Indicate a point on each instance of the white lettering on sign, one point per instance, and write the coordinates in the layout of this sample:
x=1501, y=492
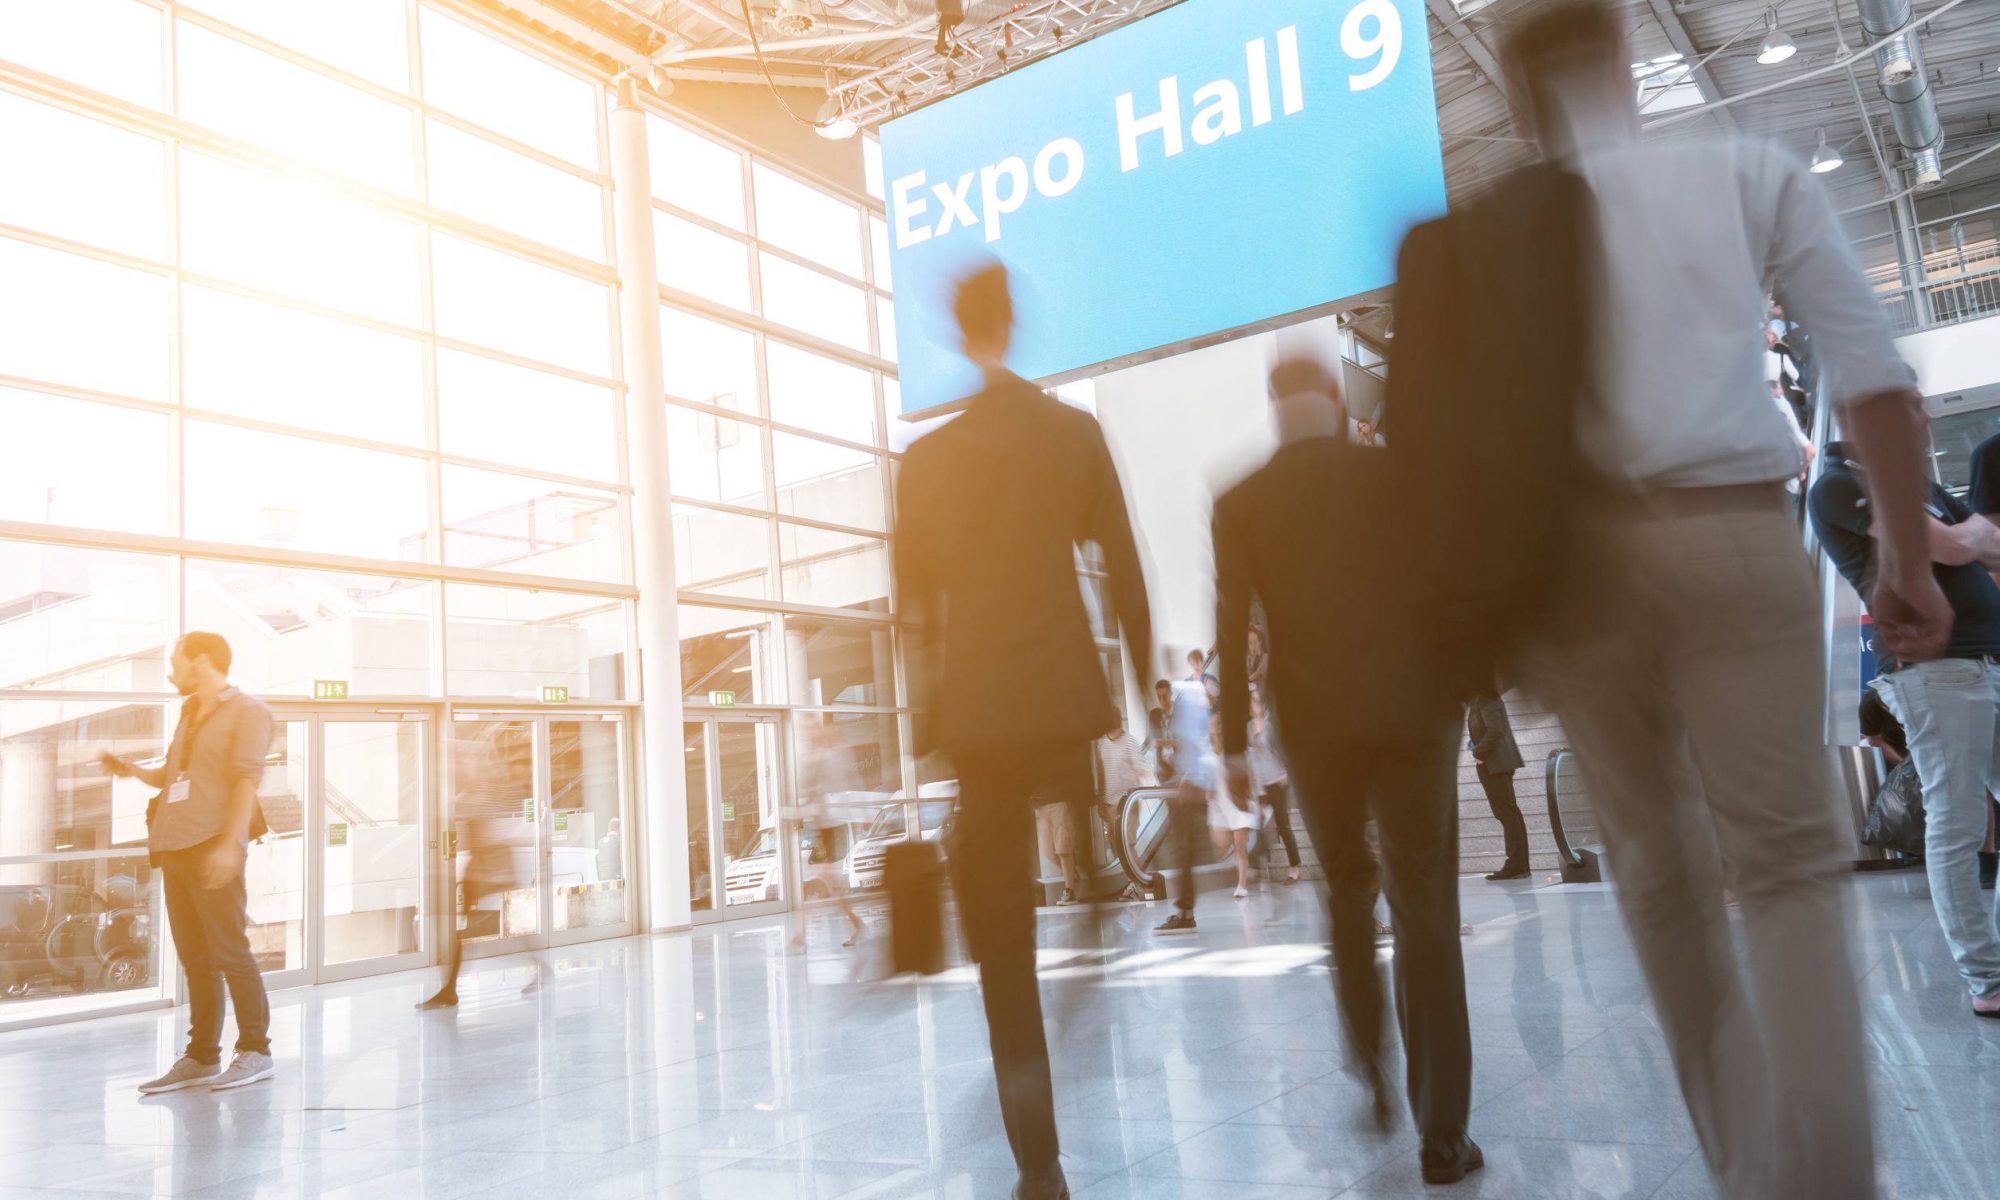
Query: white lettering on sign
x=1070, y=151
x=1371, y=33
x=908, y=209
x=1386, y=41
x=1014, y=173
x=1166, y=123
x=1260, y=84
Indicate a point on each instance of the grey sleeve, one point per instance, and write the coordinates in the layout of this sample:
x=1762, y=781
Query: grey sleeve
x=1819, y=281
x=249, y=743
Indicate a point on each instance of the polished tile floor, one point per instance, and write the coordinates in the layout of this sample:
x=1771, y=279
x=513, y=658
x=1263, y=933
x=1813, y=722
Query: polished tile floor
x=715, y=1064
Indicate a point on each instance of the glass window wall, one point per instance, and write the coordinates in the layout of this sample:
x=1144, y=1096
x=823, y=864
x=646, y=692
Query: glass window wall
x=288, y=627
x=508, y=90
x=361, y=37
x=99, y=466
x=111, y=191
x=513, y=642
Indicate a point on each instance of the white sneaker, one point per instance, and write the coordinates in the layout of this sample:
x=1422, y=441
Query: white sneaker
x=249, y=1067
x=1242, y=893
x=186, y=1073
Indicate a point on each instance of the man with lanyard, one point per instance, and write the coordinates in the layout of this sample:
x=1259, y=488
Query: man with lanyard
x=1946, y=705
x=200, y=827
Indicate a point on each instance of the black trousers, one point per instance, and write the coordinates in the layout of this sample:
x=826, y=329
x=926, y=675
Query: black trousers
x=212, y=938
x=1499, y=787
x=1187, y=829
x=1279, y=797
x=1408, y=783
x=992, y=860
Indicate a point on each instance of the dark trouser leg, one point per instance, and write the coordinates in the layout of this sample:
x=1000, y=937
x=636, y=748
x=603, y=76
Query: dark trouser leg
x=1415, y=804
x=225, y=920
x=1279, y=797
x=182, y=886
x=1330, y=805
x=1499, y=787
x=1187, y=819
x=991, y=852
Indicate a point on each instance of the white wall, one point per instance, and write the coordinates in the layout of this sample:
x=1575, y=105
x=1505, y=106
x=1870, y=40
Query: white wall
x=1955, y=357
x=1183, y=429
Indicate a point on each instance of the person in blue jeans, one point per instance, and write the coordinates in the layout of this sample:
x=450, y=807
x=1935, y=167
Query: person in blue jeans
x=1949, y=707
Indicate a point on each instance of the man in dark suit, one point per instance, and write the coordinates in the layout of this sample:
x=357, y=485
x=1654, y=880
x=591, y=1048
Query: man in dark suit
x=1370, y=728
x=989, y=512
x=1498, y=756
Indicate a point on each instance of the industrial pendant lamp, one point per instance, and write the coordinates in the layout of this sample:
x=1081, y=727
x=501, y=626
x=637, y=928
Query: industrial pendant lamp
x=1778, y=46
x=1826, y=158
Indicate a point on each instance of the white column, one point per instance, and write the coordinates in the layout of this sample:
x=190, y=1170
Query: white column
x=662, y=807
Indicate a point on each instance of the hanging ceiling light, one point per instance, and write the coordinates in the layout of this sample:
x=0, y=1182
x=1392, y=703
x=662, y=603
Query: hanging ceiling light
x=834, y=124
x=1778, y=46
x=1826, y=158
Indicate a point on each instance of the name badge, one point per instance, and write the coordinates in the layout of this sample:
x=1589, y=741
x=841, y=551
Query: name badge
x=177, y=791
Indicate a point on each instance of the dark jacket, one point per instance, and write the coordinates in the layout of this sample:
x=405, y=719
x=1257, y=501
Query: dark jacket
x=1317, y=534
x=1492, y=358
x=989, y=512
x=1492, y=736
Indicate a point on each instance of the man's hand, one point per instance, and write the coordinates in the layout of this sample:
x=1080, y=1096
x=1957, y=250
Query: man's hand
x=223, y=864
x=114, y=765
x=1911, y=615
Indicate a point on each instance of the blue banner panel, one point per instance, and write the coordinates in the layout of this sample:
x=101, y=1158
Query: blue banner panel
x=1215, y=165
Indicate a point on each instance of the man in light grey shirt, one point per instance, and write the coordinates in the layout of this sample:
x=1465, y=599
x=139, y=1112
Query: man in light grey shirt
x=200, y=826
x=1684, y=660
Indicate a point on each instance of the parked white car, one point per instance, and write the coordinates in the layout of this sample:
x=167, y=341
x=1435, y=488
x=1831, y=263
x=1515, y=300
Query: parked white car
x=891, y=827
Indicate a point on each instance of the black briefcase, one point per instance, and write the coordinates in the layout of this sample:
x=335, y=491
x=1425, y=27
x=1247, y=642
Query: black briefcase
x=914, y=875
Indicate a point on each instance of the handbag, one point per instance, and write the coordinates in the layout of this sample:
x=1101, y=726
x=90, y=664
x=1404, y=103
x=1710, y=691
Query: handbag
x=913, y=873
x=1896, y=814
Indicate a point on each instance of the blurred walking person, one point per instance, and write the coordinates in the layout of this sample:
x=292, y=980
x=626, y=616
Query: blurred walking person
x=828, y=777
x=1269, y=777
x=990, y=510
x=198, y=833
x=1370, y=728
x=1579, y=361
x=490, y=826
x=1497, y=756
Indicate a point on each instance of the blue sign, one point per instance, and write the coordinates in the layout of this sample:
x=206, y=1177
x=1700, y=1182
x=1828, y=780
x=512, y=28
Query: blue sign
x=1216, y=165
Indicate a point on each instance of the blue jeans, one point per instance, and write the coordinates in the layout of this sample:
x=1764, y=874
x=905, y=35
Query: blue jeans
x=1948, y=711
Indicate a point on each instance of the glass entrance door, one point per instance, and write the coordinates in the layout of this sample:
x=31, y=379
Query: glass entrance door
x=337, y=888
x=737, y=860
x=538, y=816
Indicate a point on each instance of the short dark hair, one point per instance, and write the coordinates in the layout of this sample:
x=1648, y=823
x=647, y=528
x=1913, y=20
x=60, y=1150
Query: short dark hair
x=211, y=646
x=1555, y=35
x=984, y=304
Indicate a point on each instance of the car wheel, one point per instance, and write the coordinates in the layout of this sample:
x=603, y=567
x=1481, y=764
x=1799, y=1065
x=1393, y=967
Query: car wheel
x=125, y=971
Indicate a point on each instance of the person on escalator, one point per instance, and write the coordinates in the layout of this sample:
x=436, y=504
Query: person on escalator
x=1271, y=781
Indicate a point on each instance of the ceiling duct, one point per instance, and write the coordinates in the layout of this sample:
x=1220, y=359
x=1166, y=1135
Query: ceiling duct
x=1899, y=64
x=795, y=18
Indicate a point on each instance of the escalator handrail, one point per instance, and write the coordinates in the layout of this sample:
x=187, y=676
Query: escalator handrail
x=1139, y=871
x=1552, y=780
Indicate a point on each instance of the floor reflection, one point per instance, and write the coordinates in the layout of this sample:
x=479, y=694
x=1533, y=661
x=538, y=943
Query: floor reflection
x=717, y=1064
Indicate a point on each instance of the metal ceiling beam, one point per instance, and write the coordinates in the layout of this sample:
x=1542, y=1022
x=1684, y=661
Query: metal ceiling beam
x=1468, y=41
x=580, y=32
x=1682, y=41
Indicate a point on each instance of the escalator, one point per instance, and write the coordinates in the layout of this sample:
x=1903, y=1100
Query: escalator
x=1139, y=845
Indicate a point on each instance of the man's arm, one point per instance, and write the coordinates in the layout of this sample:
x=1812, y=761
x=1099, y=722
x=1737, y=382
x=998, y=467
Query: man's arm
x=1111, y=529
x=1910, y=611
x=152, y=777
x=1233, y=589
x=1819, y=282
x=247, y=751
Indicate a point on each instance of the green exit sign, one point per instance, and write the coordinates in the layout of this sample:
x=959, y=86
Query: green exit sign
x=555, y=695
x=329, y=689
x=722, y=699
